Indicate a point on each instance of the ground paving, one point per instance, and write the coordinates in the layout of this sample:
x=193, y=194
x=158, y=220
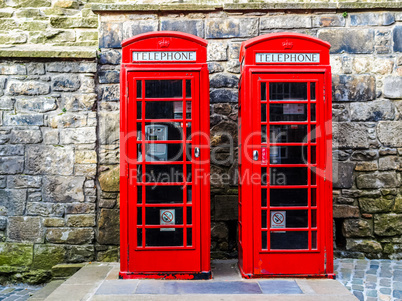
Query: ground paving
x=20, y=292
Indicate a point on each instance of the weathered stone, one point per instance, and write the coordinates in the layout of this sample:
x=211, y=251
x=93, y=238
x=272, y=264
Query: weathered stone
x=78, y=136
x=233, y=66
x=74, y=67
x=366, y=246
x=12, y=119
x=377, y=205
x=111, y=35
x=62, y=189
x=226, y=207
x=213, y=67
x=388, y=224
x=81, y=220
x=88, y=170
x=371, y=19
x=85, y=156
x=12, y=201
x=12, y=69
x=109, y=227
x=81, y=254
x=110, y=255
x=107, y=156
x=285, y=21
x=352, y=135
x=71, y=22
x=393, y=86
x=224, y=133
x=136, y=27
x=109, y=127
x=345, y=211
x=68, y=120
x=398, y=204
x=11, y=165
x=66, y=83
x=109, y=57
x=389, y=163
x=39, y=104
x=194, y=27
x=53, y=222
x=340, y=112
x=340, y=155
x=45, y=209
x=224, y=95
x=16, y=255
x=24, y=181
x=397, y=38
x=20, y=136
x=222, y=108
x=343, y=174
x=7, y=103
x=25, y=228
x=74, y=236
x=353, y=87
x=110, y=180
x=366, y=166
x=349, y=40
x=3, y=223
x=46, y=256
x=31, y=88
x=364, y=155
x=357, y=228
x=50, y=136
x=231, y=28
x=372, y=111
x=77, y=208
x=35, y=68
x=219, y=231
x=377, y=180
x=3, y=182
x=66, y=270
x=221, y=80
x=41, y=159
x=329, y=21
x=109, y=77
x=385, y=151
x=217, y=51
x=110, y=93
x=11, y=150
x=389, y=133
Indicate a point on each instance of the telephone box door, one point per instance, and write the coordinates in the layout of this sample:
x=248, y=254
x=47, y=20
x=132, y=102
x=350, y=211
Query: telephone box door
x=165, y=116
x=289, y=157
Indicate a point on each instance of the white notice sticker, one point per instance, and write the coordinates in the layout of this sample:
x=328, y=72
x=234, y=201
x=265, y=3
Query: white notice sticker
x=293, y=108
x=278, y=219
x=167, y=217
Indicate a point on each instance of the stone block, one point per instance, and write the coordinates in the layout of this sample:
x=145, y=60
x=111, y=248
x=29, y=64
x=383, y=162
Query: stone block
x=45, y=209
x=393, y=86
x=352, y=135
x=78, y=208
x=397, y=35
x=81, y=254
x=71, y=22
x=50, y=136
x=11, y=165
x=194, y=27
x=357, y=228
x=3, y=181
x=39, y=104
x=371, y=19
x=62, y=189
x=71, y=67
x=25, y=228
x=31, y=88
x=109, y=227
x=7, y=103
x=377, y=180
x=224, y=95
x=12, y=119
x=226, y=207
x=366, y=166
x=109, y=127
x=234, y=50
x=67, y=120
x=80, y=220
x=345, y=211
x=109, y=57
x=364, y=155
x=3, y=222
x=46, y=159
x=349, y=40
x=110, y=35
x=389, y=163
x=24, y=181
x=109, y=77
x=353, y=87
x=213, y=67
x=16, y=255
x=110, y=255
x=222, y=80
x=12, y=69
x=363, y=245
x=85, y=156
x=65, y=83
x=110, y=180
x=136, y=27
x=73, y=236
x=219, y=28
x=377, y=205
x=78, y=136
x=110, y=93
x=285, y=21
x=217, y=51
x=329, y=21
x=66, y=270
x=35, y=68
x=53, y=222
x=46, y=256
x=11, y=150
x=372, y=111
x=388, y=133
x=388, y=224
x=233, y=66
x=343, y=174
x=88, y=170
x=25, y=136
x=13, y=201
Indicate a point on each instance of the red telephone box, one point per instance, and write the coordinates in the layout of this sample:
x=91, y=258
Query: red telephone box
x=164, y=197
x=285, y=171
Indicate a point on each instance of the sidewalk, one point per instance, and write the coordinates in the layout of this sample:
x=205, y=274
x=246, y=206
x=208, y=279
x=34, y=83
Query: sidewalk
x=98, y=282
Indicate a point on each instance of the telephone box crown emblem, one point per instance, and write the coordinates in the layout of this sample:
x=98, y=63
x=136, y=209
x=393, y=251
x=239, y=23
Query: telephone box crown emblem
x=164, y=43
x=287, y=44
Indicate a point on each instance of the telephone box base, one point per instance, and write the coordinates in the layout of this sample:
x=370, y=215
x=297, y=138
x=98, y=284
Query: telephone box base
x=251, y=276
x=167, y=276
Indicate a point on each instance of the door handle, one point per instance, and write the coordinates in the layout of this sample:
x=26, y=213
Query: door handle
x=196, y=152
x=255, y=155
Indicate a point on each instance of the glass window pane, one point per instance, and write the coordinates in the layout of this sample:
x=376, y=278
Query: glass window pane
x=188, y=88
x=189, y=215
x=263, y=133
x=288, y=154
x=164, y=173
x=163, y=131
x=139, y=237
x=288, y=176
x=312, y=111
x=189, y=173
x=313, y=176
x=312, y=91
x=264, y=176
x=313, y=133
x=288, y=197
x=158, y=238
x=163, y=194
x=163, y=88
x=139, y=89
x=263, y=197
x=189, y=237
x=153, y=215
x=264, y=240
x=294, y=218
x=263, y=91
x=166, y=110
x=313, y=218
x=288, y=133
x=288, y=240
x=313, y=197
x=139, y=194
x=139, y=109
x=314, y=240
x=161, y=152
x=263, y=219
x=263, y=112
x=287, y=91
x=139, y=215
x=189, y=195
x=288, y=112
x=313, y=155
x=139, y=173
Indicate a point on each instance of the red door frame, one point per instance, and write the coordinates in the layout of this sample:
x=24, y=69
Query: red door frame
x=249, y=216
x=181, y=262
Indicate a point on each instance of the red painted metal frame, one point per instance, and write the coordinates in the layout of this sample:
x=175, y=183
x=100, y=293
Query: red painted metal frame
x=164, y=262
x=253, y=262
